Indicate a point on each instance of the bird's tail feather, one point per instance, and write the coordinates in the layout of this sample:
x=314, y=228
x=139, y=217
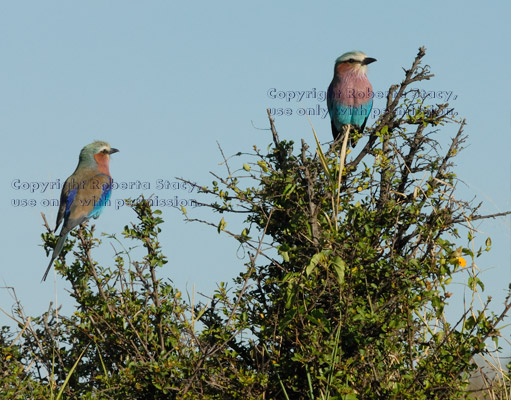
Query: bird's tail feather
x=56, y=252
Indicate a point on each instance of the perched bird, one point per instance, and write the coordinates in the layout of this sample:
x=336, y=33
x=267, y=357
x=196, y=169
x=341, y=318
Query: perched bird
x=350, y=94
x=85, y=192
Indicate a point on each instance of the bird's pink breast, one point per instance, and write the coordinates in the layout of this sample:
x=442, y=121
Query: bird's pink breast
x=352, y=88
x=103, y=163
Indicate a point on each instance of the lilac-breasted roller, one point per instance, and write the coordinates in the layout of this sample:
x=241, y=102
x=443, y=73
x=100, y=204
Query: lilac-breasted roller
x=350, y=94
x=85, y=192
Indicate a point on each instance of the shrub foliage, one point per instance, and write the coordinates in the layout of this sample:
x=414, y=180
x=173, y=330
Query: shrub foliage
x=349, y=256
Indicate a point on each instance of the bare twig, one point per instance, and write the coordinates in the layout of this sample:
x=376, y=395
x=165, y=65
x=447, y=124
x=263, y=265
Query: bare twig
x=477, y=217
x=276, y=140
x=46, y=222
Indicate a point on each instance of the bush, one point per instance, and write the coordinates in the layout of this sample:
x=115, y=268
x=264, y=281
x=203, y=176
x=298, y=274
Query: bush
x=349, y=258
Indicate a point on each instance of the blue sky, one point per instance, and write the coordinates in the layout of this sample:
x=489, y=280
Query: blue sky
x=165, y=82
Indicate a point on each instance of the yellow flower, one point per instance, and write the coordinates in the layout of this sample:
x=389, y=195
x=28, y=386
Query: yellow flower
x=462, y=262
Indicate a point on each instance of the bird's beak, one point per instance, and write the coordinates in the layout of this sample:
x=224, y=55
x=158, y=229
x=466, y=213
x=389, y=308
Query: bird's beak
x=368, y=60
x=112, y=151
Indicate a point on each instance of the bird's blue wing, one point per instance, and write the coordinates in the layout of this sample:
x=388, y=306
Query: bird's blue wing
x=87, y=199
x=106, y=192
x=368, y=107
x=356, y=116
x=69, y=201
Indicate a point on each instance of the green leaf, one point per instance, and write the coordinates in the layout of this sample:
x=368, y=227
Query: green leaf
x=316, y=258
x=473, y=282
x=290, y=187
x=339, y=268
x=263, y=166
x=221, y=225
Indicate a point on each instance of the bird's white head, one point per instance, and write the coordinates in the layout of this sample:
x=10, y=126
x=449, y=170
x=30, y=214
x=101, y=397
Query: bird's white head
x=353, y=60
